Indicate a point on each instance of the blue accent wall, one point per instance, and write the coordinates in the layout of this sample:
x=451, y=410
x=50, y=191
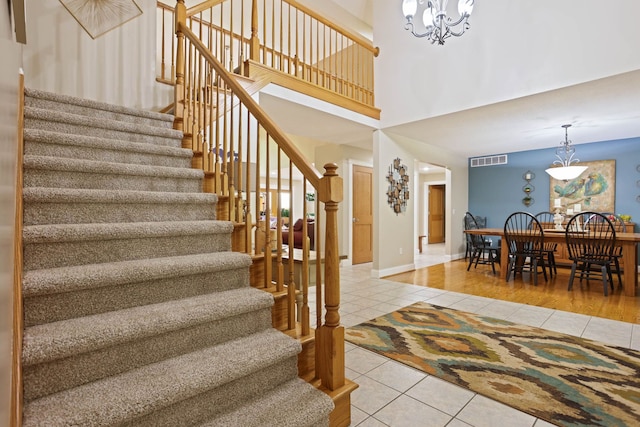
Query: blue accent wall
x=496, y=191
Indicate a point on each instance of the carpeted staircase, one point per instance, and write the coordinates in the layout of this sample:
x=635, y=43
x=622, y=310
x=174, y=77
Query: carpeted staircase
x=136, y=311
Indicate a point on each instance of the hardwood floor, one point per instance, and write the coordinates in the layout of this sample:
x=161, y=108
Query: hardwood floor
x=585, y=299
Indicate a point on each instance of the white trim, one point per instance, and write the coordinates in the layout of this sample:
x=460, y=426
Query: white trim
x=393, y=270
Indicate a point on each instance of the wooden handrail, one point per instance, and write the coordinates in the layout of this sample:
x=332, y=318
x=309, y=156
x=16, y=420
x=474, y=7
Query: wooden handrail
x=364, y=42
x=309, y=172
x=203, y=6
x=226, y=127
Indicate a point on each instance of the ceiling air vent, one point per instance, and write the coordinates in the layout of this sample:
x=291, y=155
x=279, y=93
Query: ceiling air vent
x=500, y=159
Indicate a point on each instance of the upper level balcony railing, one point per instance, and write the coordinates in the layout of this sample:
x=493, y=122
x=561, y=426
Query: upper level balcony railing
x=281, y=35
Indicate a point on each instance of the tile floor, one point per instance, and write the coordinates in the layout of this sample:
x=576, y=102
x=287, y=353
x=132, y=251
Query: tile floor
x=392, y=394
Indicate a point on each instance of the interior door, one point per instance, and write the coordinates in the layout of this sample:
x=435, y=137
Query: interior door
x=362, y=241
x=436, y=213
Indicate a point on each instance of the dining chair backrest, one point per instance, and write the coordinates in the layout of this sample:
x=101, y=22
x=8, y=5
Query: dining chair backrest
x=590, y=236
x=470, y=223
x=545, y=219
x=523, y=233
x=621, y=226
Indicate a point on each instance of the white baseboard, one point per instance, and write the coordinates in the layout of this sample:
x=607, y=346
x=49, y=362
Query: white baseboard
x=394, y=270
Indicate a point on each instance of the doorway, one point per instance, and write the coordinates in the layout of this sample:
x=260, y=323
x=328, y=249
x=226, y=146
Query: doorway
x=436, y=214
x=362, y=221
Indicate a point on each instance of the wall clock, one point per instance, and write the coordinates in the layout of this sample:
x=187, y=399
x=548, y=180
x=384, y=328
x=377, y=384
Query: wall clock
x=398, y=190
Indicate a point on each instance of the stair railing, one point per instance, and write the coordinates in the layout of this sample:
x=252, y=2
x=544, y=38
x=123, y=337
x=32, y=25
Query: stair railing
x=248, y=162
x=284, y=36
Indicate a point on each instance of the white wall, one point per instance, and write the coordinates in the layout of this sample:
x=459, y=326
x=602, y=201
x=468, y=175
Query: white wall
x=117, y=67
x=393, y=235
x=513, y=49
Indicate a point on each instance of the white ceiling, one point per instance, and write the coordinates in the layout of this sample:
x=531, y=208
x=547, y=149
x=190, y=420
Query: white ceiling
x=605, y=109
x=601, y=110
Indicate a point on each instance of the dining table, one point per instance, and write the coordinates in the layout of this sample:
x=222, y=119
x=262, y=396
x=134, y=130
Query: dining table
x=628, y=242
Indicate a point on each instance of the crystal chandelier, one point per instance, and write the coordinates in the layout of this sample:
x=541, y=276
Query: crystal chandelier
x=437, y=26
x=565, y=154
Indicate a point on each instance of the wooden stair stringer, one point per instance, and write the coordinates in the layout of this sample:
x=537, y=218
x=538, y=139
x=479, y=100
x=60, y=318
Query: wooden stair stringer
x=341, y=414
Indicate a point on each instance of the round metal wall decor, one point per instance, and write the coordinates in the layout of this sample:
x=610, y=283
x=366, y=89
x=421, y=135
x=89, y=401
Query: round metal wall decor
x=398, y=190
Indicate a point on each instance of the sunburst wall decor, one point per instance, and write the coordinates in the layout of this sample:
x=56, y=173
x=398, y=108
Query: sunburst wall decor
x=99, y=16
x=398, y=191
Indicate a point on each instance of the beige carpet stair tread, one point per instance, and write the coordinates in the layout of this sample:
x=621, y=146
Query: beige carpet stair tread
x=83, y=232
x=82, y=195
x=116, y=399
x=31, y=113
x=65, y=338
x=51, y=137
x=75, y=278
x=311, y=409
x=105, y=168
x=96, y=105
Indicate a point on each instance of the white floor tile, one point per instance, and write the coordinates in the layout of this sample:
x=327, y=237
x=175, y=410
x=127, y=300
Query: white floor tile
x=372, y=422
x=441, y=395
x=362, y=361
x=531, y=316
x=407, y=412
x=483, y=412
x=609, y=332
x=396, y=375
x=371, y=396
x=566, y=323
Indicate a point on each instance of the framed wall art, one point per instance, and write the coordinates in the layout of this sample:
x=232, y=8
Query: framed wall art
x=594, y=190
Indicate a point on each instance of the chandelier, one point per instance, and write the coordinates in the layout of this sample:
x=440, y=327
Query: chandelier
x=437, y=26
x=565, y=154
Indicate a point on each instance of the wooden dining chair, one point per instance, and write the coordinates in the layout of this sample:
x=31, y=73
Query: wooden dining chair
x=546, y=221
x=617, y=250
x=525, y=239
x=481, y=250
x=591, y=240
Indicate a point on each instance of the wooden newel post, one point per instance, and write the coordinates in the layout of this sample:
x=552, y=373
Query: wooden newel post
x=254, y=46
x=330, y=335
x=181, y=19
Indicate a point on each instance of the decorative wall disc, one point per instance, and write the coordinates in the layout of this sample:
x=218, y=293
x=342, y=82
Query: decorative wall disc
x=398, y=190
x=98, y=17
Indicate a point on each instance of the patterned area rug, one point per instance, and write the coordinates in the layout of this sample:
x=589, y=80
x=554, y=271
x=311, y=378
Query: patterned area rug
x=562, y=379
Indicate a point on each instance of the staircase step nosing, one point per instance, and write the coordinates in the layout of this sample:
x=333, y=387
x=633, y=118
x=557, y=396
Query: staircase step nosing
x=100, y=231
x=81, y=195
x=74, y=278
x=52, y=137
x=32, y=162
x=35, y=113
x=96, y=105
x=52, y=341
